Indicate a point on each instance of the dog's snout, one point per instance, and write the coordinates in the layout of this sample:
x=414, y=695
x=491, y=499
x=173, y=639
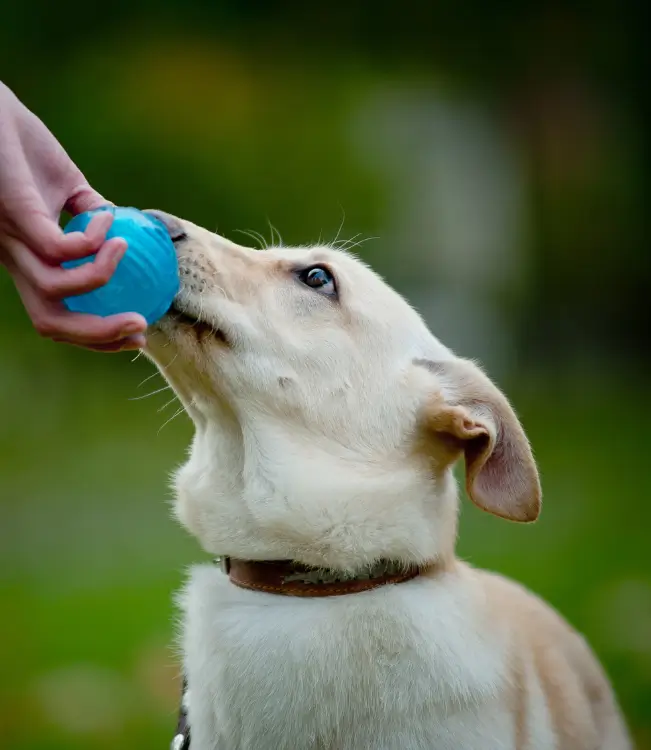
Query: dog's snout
x=171, y=223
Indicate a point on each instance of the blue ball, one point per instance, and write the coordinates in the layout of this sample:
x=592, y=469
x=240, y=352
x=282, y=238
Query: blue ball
x=145, y=281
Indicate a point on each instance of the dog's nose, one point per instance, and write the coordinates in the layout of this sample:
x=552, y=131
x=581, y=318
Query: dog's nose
x=171, y=223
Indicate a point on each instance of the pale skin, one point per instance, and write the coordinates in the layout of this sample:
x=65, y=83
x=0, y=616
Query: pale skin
x=38, y=181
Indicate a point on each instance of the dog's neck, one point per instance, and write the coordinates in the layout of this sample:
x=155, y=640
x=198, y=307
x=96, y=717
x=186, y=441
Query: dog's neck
x=307, y=502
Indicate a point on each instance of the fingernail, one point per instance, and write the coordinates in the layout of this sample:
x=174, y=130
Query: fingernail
x=105, y=215
x=133, y=327
x=103, y=220
x=119, y=249
x=133, y=342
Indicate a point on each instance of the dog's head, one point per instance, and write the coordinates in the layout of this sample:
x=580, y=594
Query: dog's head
x=327, y=416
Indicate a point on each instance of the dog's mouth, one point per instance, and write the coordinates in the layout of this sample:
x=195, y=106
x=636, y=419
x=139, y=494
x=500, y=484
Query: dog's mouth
x=201, y=328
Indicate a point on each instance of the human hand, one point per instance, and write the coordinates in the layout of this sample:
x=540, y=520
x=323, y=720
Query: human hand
x=37, y=181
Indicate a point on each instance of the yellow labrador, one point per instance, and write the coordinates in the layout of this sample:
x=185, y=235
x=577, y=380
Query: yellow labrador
x=328, y=419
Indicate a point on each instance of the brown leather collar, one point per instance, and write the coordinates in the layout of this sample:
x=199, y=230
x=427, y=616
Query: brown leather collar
x=288, y=578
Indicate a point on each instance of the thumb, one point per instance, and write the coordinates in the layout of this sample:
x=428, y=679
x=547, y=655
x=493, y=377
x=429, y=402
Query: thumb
x=84, y=198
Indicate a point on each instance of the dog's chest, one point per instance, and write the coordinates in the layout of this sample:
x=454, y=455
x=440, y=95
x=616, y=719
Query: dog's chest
x=391, y=669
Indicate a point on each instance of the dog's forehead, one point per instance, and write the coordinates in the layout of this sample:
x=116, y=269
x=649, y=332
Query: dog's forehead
x=316, y=254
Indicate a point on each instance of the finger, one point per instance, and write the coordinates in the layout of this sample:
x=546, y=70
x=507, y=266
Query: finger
x=52, y=320
x=82, y=244
x=47, y=240
x=130, y=343
x=89, y=330
x=56, y=282
x=95, y=232
x=92, y=330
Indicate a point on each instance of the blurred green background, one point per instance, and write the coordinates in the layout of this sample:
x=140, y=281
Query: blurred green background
x=496, y=153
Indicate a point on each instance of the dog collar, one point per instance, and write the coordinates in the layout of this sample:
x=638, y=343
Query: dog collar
x=288, y=578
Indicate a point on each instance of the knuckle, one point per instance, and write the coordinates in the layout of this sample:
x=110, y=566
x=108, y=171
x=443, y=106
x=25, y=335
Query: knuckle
x=53, y=252
x=52, y=256
x=88, y=240
x=50, y=289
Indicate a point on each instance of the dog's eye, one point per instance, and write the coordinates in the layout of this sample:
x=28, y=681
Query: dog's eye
x=319, y=278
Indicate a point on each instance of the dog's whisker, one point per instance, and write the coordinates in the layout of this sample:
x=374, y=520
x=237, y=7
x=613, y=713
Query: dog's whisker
x=360, y=242
x=153, y=393
x=259, y=238
x=343, y=243
x=137, y=355
x=275, y=233
x=341, y=225
x=149, y=377
x=250, y=235
x=221, y=290
x=163, y=368
x=174, y=416
x=263, y=240
x=164, y=406
x=200, y=316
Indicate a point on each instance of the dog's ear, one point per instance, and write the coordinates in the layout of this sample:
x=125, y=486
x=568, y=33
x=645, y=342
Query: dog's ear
x=469, y=415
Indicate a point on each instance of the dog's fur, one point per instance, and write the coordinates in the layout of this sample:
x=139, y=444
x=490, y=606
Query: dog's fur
x=327, y=426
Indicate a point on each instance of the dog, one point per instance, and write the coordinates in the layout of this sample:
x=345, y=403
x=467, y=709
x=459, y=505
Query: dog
x=327, y=422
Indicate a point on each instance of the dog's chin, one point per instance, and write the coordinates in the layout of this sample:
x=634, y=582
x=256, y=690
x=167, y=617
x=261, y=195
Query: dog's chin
x=180, y=319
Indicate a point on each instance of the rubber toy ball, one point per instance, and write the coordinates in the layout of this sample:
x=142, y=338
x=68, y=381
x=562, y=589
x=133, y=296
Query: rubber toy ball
x=145, y=281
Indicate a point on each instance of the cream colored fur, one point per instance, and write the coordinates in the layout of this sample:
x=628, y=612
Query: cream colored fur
x=326, y=431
